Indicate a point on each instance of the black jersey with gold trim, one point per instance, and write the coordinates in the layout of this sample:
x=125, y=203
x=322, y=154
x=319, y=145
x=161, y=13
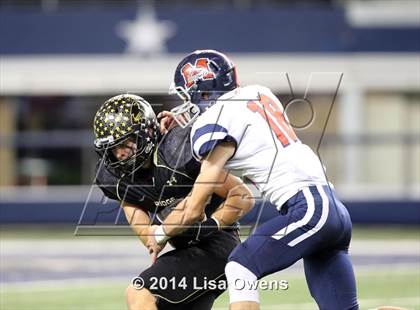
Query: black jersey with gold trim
x=164, y=183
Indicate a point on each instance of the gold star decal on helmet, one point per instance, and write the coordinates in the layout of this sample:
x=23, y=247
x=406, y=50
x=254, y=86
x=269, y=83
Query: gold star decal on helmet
x=121, y=116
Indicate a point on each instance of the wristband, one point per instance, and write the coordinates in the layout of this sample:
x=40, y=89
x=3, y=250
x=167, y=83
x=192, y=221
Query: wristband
x=160, y=236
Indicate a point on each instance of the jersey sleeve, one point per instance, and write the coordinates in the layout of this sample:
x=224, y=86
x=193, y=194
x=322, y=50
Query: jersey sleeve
x=218, y=124
x=175, y=151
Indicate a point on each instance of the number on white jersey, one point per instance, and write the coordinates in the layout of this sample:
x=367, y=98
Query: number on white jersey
x=273, y=114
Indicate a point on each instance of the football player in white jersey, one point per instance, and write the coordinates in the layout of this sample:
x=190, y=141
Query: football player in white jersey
x=245, y=128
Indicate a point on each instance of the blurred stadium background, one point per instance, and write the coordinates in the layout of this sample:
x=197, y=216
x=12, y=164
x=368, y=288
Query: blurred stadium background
x=357, y=63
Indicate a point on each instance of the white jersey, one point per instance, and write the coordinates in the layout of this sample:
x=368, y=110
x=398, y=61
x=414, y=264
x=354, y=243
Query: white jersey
x=267, y=149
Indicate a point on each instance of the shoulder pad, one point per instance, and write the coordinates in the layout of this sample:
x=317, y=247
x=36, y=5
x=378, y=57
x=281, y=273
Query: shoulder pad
x=175, y=148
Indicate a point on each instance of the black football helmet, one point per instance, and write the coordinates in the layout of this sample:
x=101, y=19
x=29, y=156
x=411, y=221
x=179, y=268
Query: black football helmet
x=200, y=78
x=125, y=117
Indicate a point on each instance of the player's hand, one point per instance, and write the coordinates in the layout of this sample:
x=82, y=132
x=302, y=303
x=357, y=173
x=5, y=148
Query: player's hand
x=151, y=244
x=154, y=252
x=167, y=121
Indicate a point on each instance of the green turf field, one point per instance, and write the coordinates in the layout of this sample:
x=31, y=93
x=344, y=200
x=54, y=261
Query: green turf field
x=392, y=287
x=397, y=285
x=68, y=232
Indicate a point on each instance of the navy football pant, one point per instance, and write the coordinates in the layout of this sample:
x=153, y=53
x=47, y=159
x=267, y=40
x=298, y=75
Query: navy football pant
x=313, y=225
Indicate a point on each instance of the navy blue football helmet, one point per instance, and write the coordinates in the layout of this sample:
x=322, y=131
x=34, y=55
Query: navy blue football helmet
x=200, y=78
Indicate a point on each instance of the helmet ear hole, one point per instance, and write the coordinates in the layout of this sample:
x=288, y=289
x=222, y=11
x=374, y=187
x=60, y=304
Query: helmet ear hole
x=204, y=95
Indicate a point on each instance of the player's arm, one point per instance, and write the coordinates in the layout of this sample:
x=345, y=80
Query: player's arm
x=212, y=179
x=138, y=219
x=239, y=201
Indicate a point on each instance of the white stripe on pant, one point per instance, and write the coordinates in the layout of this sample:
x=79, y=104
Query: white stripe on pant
x=307, y=217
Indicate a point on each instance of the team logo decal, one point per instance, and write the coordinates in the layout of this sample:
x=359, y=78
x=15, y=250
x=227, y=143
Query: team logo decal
x=199, y=71
x=136, y=114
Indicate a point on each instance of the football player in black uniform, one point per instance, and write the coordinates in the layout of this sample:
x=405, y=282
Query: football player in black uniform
x=149, y=174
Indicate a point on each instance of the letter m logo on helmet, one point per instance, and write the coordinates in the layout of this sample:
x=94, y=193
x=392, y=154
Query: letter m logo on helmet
x=199, y=71
x=200, y=78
